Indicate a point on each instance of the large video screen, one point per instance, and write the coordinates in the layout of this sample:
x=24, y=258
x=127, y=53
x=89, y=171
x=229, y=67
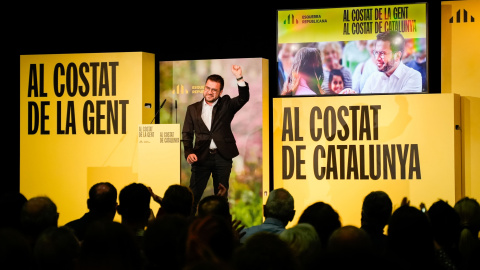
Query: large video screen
x=352, y=50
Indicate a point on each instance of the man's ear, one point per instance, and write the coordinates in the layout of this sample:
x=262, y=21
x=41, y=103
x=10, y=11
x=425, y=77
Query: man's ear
x=292, y=215
x=265, y=211
x=398, y=55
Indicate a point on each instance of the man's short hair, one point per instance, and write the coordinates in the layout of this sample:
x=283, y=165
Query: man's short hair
x=102, y=198
x=134, y=202
x=323, y=217
x=178, y=199
x=376, y=209
x=214, y=205
x=397, y=42
x=216, y=78
x=39, y=213
x=302, y=238
x=280, y=204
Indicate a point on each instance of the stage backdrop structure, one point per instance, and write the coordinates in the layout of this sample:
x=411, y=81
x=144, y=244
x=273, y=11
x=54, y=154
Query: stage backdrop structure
x=182, y=83
x=80, y=115
x=459, y=75
x=339, y=149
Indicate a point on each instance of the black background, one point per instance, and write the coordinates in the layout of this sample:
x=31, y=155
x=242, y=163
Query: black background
x=174, y=31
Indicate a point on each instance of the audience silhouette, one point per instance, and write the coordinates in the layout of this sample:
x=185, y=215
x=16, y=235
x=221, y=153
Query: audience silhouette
x=102, y=206
x=10, y=216
x=350, y=247
x=177, y=199
x=305, y=244
x=445, y=228
x=469, y=244
x=278, y=212
x=110, y=245
x=57, y=249
x=134, y=208
x=264, y=250
x=376, y=211
x=15, y=249
x=178, y=238
x=214, y=205
x=38, y=214
x=164, y=242
x=210, y=239
x=323, y=218
x=410, y=240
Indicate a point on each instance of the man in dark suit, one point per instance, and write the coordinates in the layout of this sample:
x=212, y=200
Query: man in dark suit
x=209, y=122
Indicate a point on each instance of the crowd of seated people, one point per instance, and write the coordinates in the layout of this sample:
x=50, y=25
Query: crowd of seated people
x=444, y=236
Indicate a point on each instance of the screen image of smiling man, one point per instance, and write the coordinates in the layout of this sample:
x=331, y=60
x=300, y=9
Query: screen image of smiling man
x=393, y=75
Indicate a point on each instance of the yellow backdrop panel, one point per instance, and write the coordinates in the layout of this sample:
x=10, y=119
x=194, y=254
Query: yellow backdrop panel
x=460, y=73
x=338, y=149
x=79, y=116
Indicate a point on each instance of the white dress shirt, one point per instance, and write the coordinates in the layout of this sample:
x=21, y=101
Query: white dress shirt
x=361, y=74
x=403, y=80
x=207, y=114
x=207, y=118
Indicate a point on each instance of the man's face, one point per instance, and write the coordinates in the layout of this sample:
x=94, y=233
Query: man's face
x=212, y=91
x=385, y=57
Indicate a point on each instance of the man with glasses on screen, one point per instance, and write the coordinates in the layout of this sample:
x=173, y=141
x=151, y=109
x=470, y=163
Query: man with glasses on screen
x=207, y=122
x=393, y=75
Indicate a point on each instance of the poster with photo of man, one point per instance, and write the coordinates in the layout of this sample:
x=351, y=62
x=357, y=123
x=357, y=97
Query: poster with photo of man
x=353, y=50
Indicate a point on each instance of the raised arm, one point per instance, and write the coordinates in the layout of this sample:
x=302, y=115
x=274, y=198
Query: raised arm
x=243, y=89
x=237, y=72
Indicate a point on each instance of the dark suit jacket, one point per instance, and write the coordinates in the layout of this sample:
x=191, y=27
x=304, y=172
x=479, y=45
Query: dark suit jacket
x=221, y=131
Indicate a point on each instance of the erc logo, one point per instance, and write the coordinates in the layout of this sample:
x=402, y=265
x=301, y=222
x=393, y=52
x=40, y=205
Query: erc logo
x=458, y=17
x=290, y=20
x=180, y=89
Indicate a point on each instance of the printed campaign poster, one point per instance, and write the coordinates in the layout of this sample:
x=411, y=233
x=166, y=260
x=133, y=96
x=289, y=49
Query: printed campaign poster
x=338, y=150
x=352, y=50
x=183, y=83
x=79, y=117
